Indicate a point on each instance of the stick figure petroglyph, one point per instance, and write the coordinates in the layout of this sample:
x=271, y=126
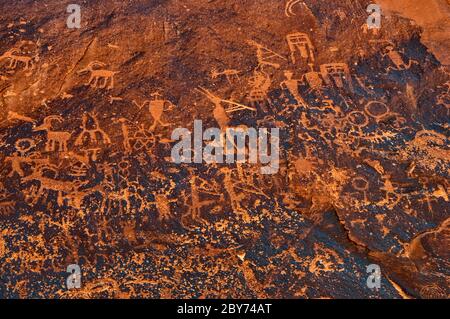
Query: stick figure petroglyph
x=99, y=77
x=199, y=186
x=56, y=141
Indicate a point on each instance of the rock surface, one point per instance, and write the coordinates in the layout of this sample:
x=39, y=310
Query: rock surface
x=86, y=175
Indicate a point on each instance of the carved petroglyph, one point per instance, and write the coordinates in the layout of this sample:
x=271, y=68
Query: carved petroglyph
x=136, y=139
x=156, y=107
x=313, y=79
x=219, y=112
x=260, y=84
x=264, y=54
x=300, y=42
x=51, y=184
x=56, y=141
x=92, y=137
x=337, y=74
x=230, y=74
x=396, y=59
x=99, y=77
x=292, y=86
x=14, y=57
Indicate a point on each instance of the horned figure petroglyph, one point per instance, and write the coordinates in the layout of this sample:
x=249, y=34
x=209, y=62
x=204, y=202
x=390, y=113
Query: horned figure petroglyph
x=14, y=59
x=56, y=140
x=337, y=74
x=99, y=77
x=156, y=109
x=230, y=74
x=301, y=42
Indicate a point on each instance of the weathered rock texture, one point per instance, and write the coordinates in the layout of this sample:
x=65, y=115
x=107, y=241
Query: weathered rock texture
x=87, y=179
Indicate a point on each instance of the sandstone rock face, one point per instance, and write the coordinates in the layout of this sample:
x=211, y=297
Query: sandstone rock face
x=87, y=178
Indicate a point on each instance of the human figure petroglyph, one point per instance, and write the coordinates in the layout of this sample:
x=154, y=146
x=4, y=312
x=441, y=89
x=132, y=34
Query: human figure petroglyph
x=229, y=186
x=199, y=186
x=99, y=77
x=156, y=108
x=91, y=131
x=162, y=203
x=337, y=74
x=56, y=140
x=263, y=54
x=391, y=198
x=300, y=42
x=292, y=86
x=24, y=155
x=15, y=58
x=230, y=74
